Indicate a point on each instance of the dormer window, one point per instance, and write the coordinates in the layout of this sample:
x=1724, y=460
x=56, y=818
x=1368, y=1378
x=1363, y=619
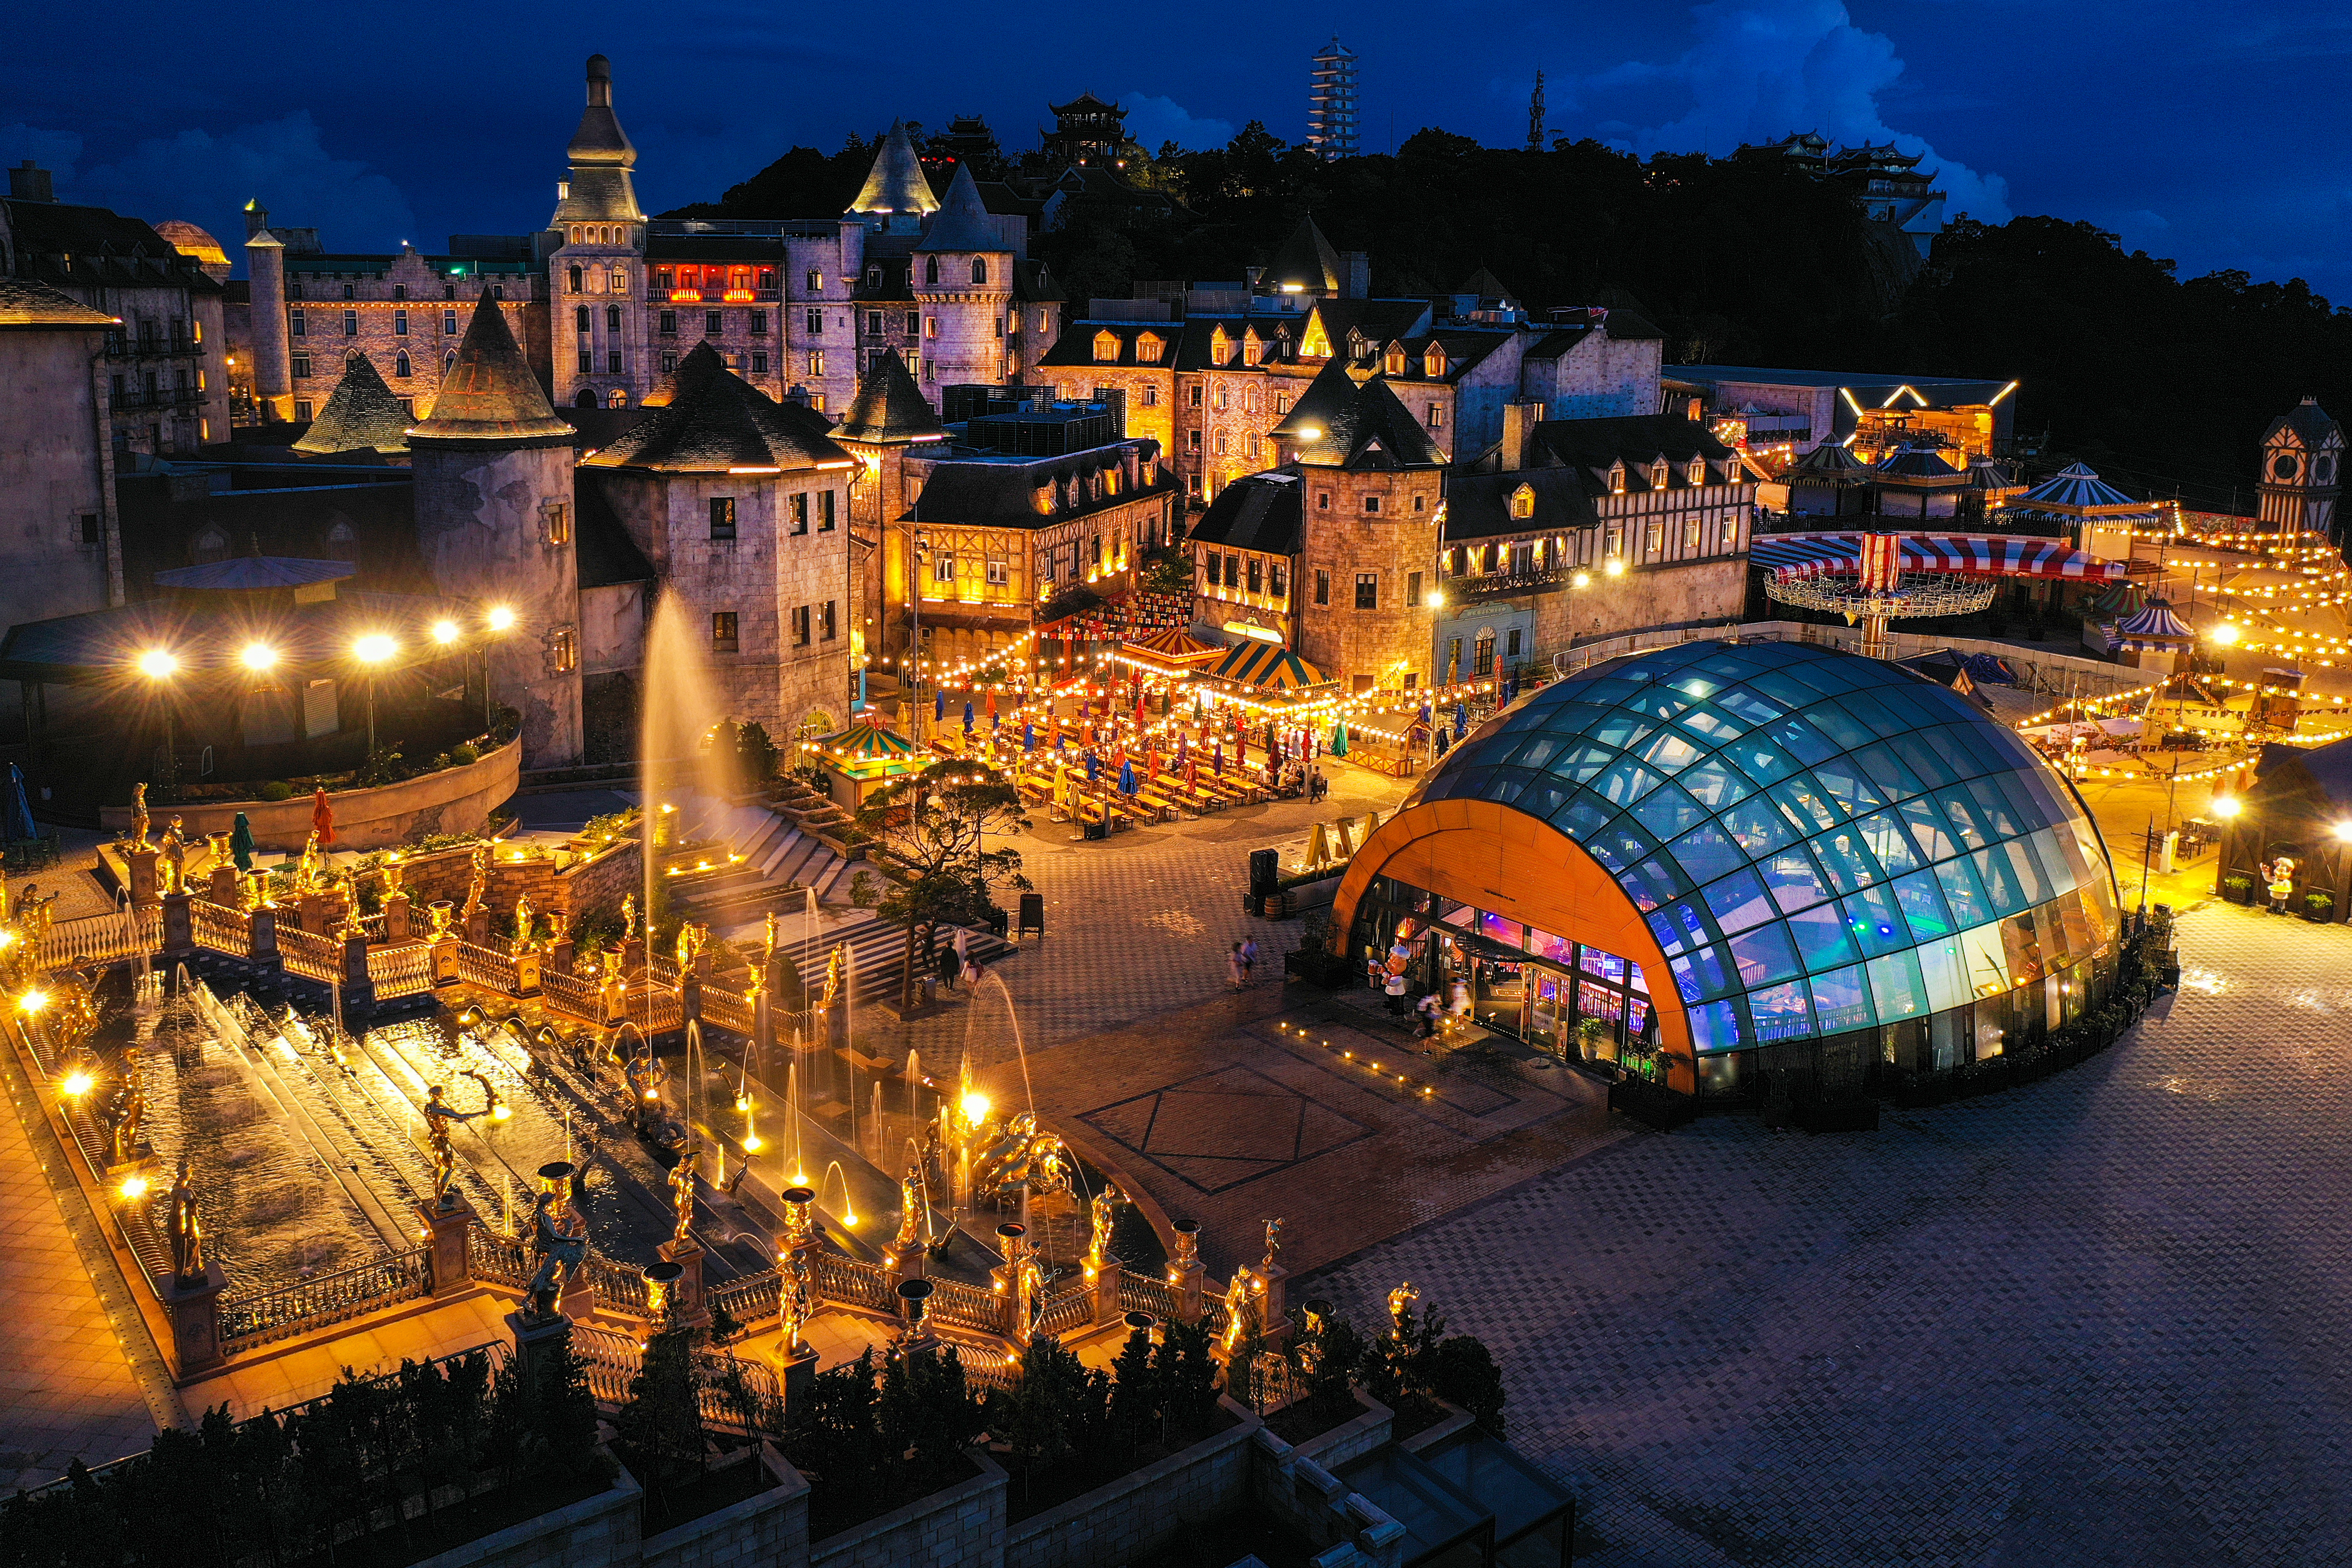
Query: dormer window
x=1617, y=478
x=1433, y=363
x=1220, y=348
x=1392, y=362
x=1698, y=471
x=1658, y=476
x=1253, y=349
x=1357, y=345
x=1147, y=348
x=1523, y=501
x=1107, y=348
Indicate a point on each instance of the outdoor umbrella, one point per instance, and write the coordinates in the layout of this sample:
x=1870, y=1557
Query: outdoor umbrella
x=994, y=720
x=1217, y=759
x=20, y=810
x=1338, y=740
x=1029, y=736
x=967, y=718
x=939, y=706
x=1423, y=717
x=322, y=816
x=1241, y=748
x=1461, y=721
x=1126, y=778
x=240, y=843
x=1094, y=767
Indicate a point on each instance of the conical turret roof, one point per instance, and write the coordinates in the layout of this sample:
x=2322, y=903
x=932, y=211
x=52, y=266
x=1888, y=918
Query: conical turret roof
x=889, y=408
x=363, y=413
x=896, y=183
x=489, y=395
x=962, y=223
x=1306, y=263
x=718, y=423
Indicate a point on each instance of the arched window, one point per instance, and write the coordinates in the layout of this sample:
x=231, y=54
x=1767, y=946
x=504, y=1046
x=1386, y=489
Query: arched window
x=575, y=279
x=400, y=364
x=931, y=271
x=1148, y=347
x=587, y=398
x=611, y=318
x=1106, y=348
x=618, y=399
x=212, y=544
x=448, y=360
x=980, y=270
x=342, y=543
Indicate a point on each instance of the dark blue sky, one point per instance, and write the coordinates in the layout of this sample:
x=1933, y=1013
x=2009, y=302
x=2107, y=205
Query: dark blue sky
x=2205, y=131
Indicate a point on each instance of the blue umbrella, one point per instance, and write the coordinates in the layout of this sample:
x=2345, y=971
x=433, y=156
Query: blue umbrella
x=20, y=810
x=939, y=706
x=1461, y=721
x=1423, y=717
x=967, y=718
x=1126, y=778
x=240, y=843
x=1094, y=767
x=1029, y=736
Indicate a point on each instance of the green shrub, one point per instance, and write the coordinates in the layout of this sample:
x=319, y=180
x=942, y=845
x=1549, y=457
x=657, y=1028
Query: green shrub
x=278, y=789
x=2319, y=903
x=461, y=755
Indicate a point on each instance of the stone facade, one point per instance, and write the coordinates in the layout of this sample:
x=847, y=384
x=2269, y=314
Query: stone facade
x=62, y=543
x=406, y=313
x=1364, y=576
x=963, y=1524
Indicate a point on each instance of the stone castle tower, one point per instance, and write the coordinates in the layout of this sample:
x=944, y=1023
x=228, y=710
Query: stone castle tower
x=2302, y=478
x=963, y=286
x=597, y=326
x=493, y=520
x=1373, y=503
x=888, y=420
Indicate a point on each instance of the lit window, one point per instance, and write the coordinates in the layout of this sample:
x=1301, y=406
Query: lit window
x=562, y=650
x=1523, y=501
x=816, y=362
x=944, y=567
x=351, y=323
x=723, y=517
x=1000, y=572
x=829, y=622
x=1107, y=348
x=1367, y=590
x=722, y=631
x=555, y=522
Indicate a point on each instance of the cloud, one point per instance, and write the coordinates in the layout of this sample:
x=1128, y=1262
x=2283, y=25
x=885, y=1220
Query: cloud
x=1762, y=69
x=56, y=151
x=1151, y=120
x=206, y=178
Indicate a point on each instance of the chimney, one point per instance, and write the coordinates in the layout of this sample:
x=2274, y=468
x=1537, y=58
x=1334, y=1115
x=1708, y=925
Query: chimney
x=1355, y=276
x=28, y=181
x=1518, y=423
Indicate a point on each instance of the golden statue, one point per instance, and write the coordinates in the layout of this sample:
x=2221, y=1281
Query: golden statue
x=1273, y=1246
x=306, y=870
x=523, y=923
x=793, y=1299
x=185, y=1227
x=174, y=850
x=1104, y=1212
x=681, y=1190
x=1238, y=1311
x=767, y=952
x=628, y=917
x=910, y=1209
x=139, y=815
x=481, y=881
x=438, y=913
x=1401, y=1300
x=836, y=973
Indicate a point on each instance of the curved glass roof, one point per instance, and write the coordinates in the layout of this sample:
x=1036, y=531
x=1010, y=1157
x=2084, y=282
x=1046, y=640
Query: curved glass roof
x=1821, y=842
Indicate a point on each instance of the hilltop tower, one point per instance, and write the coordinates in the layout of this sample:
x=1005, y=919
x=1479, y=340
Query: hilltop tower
x=494, y=523
x=597, y=272
x=896, y=198
x=963, y=278
x=2302, y=462
x=1331, y=124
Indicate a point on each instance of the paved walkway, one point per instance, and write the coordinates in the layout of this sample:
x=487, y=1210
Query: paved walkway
x=2094, y=1320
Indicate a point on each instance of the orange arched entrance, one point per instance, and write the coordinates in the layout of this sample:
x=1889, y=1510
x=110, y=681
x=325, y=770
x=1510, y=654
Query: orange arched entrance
x=1477, y=852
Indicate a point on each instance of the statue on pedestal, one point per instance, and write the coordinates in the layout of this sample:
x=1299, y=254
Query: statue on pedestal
x=132, y=1110
x=1401, y=1300
x=481, y=881
x=306, y=870
x=438, y=1114
x=560, y=1236
x=523, y=917
x=1273, y=1246
x=910, y=1208
x=1103, y=1211
x=792, y=1300
x=681, y=1191
x=174, y=858
x=184, y=1229
x=139, y=818
x=628, y=917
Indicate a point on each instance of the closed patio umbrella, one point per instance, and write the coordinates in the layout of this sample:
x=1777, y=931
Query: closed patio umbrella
x=240, y=843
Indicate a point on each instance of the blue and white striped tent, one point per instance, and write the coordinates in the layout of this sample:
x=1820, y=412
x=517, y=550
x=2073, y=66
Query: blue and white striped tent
x=2155, y=629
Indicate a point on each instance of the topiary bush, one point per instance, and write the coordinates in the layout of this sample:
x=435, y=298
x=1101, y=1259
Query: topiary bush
x=278, y=789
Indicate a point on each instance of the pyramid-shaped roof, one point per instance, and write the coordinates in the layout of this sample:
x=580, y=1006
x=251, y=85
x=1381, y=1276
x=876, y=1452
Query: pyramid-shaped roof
x=489, y=394
x=889, y=407
x=1337, y=424
x=2309, y=422
x=896, y=183
x=715, y=423
x=1305, y=263
x=962, y=221
x=1486, y=286
x=362, y=413
x=2076, y=490
x=1916, y=468
x=1830, y=464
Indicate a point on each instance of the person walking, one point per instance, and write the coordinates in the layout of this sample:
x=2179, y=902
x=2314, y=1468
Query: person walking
x=948, y=969
x=1249, y=957
x=1233, y=966
x=962, y=947
x=1424, y=1017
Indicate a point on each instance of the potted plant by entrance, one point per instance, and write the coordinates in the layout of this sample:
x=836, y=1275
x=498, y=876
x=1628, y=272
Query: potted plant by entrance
x=2319, y=908
x=2238, y=888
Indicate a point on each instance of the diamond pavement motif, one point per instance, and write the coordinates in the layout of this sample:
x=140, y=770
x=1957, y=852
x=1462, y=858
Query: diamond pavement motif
x=1218, y=1130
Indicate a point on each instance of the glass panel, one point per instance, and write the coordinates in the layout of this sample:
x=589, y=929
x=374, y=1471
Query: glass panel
x=1984, y=960
x=1707, y=854
x=1794, y=881
x=1806, y=804
x=1924, y=761
x=1874, y=919
x=1952, y=744
x=1844, y=732
x=1739, y=902
x=1494, y=928
x=1581, y=762
x=1934, y=838
x=1897, y=987
x=2021, y=944
x=2001, y=881
x=1782, y=1013
x=1849, y=865
x=1715, y=786
x=1841, y=1001
x=1502, y=785
x=1535, y=750
x=1759, y=758
x=1882, y=835
x=1607, y=965
x=1886, y=770
x=1923, y=906
x=1803, y=736
x=1964, y=893
x=1821, y=939
x=1543, y=944
x=1763, y=955
x=1697, y=688
x=1656, y=702
x=1717, y=1027
x=1620, y=845
x=1757, y=827
x=1681, y=928
x=1623, y=730
x=1581, y=817
x=1702, y=973
x=1947, y=977
x=1573, y=718
x=1671, y=752
x=1669, y=813
x=1728, y=664
x=2004, y=817
x=1625, y=781
x=1877, y=710
x=2036, y=886
x=1747, y=703
x=1845, y=780
x=1544, y=796
x=1782, y=689
x=1655, y=881
x=1967, y=822
x=1711, y=727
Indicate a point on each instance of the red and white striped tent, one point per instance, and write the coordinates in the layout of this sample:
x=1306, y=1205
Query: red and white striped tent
x=1966, y=555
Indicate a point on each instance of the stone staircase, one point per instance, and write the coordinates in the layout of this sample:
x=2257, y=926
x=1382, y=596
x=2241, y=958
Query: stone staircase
x=777, y=860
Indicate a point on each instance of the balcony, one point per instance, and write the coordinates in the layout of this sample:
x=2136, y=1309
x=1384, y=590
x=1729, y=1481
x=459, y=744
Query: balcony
x=153, y=348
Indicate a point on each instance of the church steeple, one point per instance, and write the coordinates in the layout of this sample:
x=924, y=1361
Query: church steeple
x=600, y=189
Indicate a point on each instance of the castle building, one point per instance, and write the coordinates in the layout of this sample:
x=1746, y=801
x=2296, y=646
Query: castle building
x=1332, y=122
x=742, y=507
x=167, y=362
x=2303, y=464
x=888, y=422
x=62, y=542
x=1887, y=183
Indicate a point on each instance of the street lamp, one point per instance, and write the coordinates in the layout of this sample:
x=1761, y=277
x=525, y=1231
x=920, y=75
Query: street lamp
x=160, y=666
x=370, y=651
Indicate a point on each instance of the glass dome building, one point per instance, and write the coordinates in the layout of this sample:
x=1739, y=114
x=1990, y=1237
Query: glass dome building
x=1694, y=862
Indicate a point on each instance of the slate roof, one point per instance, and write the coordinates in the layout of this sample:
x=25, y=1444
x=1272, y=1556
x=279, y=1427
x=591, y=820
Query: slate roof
x=963, y=222
x=896, y=183
x=2309, y=422
x=1264, y=513
x=1830, y=464
x=1637, y=440
x=376, y=521
x=1307, y=260
x=606, y=555
x=361, y=412
x=490, y=394
x=1356, y=427
x=717, y=421
x=246, y=573
x=1033, y=283
x=600, y=189
x=889, y=407
x=1478, y=506
x=25, y=303
x=68, y=245
x=1004, y=494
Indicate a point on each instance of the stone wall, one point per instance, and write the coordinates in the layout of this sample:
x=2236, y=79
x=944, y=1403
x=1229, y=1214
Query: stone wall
x=1351, y=1440
x=1663, y=596
x=1396, y=546
x=453, y=800
x=600, y=1531
x=963, y=1525
x=1140, y=1513
x=769, y=1529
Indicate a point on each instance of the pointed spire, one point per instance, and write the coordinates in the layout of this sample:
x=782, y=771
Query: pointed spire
x=489, y=395
x=363, y=413
x=1306, y=263
x=889, y=408
x=601, y=155
x=896, y=183
x=1335, y=423
x=962, y=223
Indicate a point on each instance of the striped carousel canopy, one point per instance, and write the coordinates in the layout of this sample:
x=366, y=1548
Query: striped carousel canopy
x=2077, y=492
x=2117, y=599
x=1173, y=647
x=1271, y=669
x=2155, y=629
x=867, y=748
x=1968, y=554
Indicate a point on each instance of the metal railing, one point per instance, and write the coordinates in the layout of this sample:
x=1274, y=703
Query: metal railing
x=656, y=1011
x=221, y=928
x=990, y=1365
x=498, y=1259
x=102, y=939
x=487, y=966
x=311, y=955
x=727, y=1009
x=331, y=1299
x=1071, y=1308
x=969, y=1307
x=569, y=991
x=846, y=1282
x=1142, y=1293
x=403, y=971
x=618, y=1289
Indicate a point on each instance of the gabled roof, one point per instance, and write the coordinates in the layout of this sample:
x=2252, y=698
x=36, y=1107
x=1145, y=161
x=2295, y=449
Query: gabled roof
x=996, y=494
x=1033, y=284
x=889, y=408
x=2310, y=423
x=718, y=422
x=1637, y=440
x=1478, y=505
x=70, y=245
x=896, y=183
x=25, y=303
x=963, y=222
x=1486, y=286
x=489, y=393
x=1264, y=513
x=1307, y=261
x=361, y=412
x=1356, y=427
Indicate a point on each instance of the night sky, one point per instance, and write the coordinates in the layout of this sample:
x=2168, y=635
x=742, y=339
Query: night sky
x=2208, y=132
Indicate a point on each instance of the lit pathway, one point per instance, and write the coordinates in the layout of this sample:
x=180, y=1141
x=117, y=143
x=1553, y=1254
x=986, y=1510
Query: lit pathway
x=2097, y=1320
x=67, y=1387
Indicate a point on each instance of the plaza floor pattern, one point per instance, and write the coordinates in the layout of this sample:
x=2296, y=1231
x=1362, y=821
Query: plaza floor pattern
x=2097, y=1320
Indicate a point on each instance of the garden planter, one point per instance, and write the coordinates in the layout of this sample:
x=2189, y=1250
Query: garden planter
x=2237, y=891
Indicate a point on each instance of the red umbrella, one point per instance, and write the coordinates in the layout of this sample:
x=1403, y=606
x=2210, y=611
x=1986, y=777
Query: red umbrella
x=322, y=818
